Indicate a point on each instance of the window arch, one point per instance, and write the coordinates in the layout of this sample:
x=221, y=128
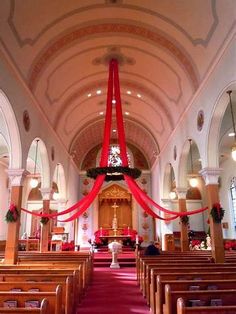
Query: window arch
x=233, y=197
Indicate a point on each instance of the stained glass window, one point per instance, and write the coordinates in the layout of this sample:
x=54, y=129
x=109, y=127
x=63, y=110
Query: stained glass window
x=114, y=159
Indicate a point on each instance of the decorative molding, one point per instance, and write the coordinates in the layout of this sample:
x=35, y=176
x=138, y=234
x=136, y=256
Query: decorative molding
x=46, y=193
x=16, y=176
x=115, y=192
x=67, y=39
x=181, y=193
x=211, y=175
x=114, y=53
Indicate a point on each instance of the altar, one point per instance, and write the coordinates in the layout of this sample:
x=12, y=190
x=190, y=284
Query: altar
x=117, y=238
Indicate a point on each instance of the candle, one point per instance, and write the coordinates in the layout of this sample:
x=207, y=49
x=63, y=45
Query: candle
x=137, y=242
x=128, y=230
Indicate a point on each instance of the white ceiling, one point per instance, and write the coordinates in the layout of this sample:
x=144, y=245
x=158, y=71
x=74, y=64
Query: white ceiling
x=165, y=49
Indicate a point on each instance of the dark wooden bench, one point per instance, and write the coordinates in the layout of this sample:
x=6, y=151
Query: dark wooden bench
x=228, y=297
x=54, y=299
x=43, y=309
x=180, y=285
x=67, y=290
x=225, y=309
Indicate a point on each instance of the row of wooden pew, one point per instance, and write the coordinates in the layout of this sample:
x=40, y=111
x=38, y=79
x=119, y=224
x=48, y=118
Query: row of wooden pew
x=188, y=282
x=56, y=280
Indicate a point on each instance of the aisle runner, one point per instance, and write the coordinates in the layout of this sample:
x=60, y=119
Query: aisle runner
x=114, y=291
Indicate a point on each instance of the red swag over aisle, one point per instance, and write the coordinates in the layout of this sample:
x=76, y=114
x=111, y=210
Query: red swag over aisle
x=113, y=91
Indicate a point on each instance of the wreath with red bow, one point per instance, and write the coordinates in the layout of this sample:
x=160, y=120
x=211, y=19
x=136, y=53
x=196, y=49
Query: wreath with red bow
x=217, y=213
x=184, y=220
x=12, y=214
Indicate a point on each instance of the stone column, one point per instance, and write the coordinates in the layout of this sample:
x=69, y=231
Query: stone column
x=211, y=176
x=16, y=177
x=184, y=243
x=45, y=228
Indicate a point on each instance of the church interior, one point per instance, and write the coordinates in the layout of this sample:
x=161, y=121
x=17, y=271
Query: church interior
x=117, y=131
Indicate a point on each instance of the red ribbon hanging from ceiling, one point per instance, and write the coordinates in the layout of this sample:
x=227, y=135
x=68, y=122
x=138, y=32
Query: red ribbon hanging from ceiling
x=86, y=201
x=142, y=198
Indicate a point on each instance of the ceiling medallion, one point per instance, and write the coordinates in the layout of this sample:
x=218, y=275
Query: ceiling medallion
x=116, y=54
x=26, y=120
x=200, y=120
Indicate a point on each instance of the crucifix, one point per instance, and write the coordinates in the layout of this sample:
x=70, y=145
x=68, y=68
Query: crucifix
x=114, y=220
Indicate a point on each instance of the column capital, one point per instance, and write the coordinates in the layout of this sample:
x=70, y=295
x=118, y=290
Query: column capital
x=211, y=175
x=46, y=193
x=181, y=193
x=17, y=176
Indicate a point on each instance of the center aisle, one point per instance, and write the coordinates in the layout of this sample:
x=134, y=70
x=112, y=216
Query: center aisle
x=113, y=291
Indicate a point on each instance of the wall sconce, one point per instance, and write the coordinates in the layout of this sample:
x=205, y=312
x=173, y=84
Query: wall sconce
x=56, y=193
x=34, y=181
x=193, y=181
x=233, y=148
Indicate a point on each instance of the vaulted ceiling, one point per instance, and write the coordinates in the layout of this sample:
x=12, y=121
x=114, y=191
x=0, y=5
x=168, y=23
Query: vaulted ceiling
x=165, y=50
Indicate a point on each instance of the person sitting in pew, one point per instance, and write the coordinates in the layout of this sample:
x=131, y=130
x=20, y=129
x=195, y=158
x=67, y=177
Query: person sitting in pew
x=152, y=249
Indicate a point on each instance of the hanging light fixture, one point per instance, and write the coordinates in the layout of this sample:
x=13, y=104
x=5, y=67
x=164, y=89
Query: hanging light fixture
x=172, y=193
x=193, y=181
x=233, y=148
x=34, y=181
x=56, y=194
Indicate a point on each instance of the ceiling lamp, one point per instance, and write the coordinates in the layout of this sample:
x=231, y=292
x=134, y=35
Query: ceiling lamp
x=34, y=181
x=172, y=195
x=56, y=193
x=193, y=181
x=233, y=148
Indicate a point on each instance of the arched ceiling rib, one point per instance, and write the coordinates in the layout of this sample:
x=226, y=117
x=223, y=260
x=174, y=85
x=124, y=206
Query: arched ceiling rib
x=165, y=50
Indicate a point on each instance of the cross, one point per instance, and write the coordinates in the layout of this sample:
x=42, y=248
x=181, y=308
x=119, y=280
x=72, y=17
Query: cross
x=115, y=207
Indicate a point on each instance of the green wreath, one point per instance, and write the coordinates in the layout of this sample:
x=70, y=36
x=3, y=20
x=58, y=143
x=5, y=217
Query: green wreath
x=114, y=173
x=184, y=220
x=217, y=213
x=44, y=220
x=12, y=214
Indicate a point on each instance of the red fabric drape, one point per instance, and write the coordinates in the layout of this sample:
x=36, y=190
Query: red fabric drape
x=130, y=181
x=86, y=201
x=142, y=198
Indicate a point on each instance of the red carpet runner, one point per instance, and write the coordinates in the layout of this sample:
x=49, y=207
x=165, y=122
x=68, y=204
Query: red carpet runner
x=113, y=291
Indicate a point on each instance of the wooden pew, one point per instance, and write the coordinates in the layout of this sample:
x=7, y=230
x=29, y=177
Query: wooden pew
x=180, y=285
x=185, y=268
x=42, y=310
x=181, y=268
x=67, y=290
x=32, y=272
x=228, y=297
x=45, y=278
x=63, y=268
x=140, y=261
x=59, y=258
x=225, y=309
x=54, y=299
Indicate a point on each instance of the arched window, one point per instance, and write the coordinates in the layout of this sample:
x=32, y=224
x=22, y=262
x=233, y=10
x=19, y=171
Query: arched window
x=233, y=197
x=114, y=158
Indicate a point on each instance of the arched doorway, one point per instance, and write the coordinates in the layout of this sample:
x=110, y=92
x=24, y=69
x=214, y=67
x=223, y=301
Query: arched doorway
x=115, y=194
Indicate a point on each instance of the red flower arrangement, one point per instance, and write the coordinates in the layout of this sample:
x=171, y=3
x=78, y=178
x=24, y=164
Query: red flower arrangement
x=12, y=214
x=230, y=245
x=133, y=234
x=68, y=246
x=195, y=242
